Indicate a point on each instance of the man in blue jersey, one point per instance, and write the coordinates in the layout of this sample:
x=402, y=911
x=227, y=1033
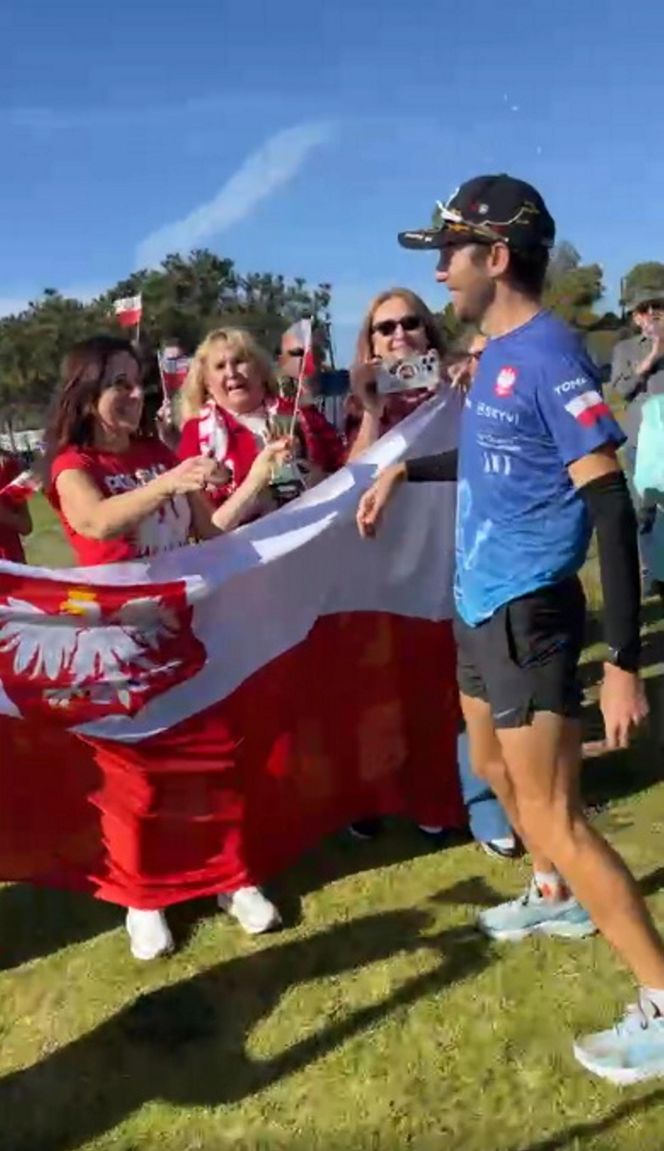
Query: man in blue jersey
x=536, y=471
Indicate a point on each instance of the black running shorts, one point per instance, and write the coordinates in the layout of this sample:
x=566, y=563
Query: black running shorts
x=525, y=658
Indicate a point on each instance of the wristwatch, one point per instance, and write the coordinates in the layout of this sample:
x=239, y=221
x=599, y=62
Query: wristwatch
x=626, y=658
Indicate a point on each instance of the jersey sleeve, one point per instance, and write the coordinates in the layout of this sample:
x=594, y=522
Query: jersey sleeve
x=189, y=442
x=571, y=404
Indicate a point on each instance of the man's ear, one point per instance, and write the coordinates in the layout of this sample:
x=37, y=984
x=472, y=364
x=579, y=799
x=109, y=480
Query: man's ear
x=498, y=260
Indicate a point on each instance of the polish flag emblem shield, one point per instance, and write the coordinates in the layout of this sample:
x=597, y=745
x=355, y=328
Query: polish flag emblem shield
x=505, y=382
x=74, y=654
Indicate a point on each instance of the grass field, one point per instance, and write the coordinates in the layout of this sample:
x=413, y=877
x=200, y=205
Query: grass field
x=376, y=1020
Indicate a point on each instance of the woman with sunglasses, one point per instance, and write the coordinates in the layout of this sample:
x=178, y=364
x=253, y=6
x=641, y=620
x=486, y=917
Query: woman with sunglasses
x=231, y=409
x=121, y=494
x=398, y=324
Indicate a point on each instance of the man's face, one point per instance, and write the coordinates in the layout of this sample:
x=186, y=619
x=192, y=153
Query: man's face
x=463, y=268
x=649, y=315
x=172, y=351
x=290, y=358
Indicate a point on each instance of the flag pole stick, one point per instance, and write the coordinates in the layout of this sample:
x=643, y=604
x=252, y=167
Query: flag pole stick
x=161, y=377
x=300, y=382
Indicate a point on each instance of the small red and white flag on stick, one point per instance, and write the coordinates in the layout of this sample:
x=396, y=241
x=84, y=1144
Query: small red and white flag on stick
x=128, y=311
x=302, y=331
x=173, y=371
x=21, y=488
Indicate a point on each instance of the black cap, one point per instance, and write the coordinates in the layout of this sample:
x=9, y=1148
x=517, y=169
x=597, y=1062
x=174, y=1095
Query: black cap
x=490, y=208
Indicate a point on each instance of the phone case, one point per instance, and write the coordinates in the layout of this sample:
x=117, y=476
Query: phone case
x=411, y=374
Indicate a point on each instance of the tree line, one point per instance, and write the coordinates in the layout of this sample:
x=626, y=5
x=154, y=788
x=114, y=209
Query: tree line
x=186, y=296
x=182, y=300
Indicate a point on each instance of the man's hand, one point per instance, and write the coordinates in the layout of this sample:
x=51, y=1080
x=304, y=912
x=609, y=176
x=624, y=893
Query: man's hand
x=623, y=705
x=376, y=498
x=655, y=331
x=460, y=375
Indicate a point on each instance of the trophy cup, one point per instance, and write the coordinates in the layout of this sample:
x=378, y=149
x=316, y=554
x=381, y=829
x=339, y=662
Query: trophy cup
x=286, y=483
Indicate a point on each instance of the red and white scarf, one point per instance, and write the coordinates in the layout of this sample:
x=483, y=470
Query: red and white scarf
x=212, y=432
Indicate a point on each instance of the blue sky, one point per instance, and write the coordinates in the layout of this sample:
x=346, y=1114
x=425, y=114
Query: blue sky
x=299, y=137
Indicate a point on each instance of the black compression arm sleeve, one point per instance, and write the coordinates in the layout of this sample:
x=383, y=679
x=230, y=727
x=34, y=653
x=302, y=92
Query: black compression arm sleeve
x=441, y=468
x=610, y=506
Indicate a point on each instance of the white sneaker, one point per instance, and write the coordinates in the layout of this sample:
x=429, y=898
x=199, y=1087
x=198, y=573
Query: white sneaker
x=149, y=934
x=505, y=848
x=252, y=910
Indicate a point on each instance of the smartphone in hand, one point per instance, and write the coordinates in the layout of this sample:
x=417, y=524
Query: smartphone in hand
x=412, y=374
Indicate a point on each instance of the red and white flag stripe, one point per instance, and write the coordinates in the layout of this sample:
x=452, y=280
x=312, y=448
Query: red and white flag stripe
x=128, y=311
x=302, y=331
x=174, y=371
x=588, y=408
x=20, y=489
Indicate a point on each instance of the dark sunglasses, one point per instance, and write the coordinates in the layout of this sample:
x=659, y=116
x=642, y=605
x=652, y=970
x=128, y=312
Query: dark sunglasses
x=451, y=244
x=296, y=353
x=389, y=327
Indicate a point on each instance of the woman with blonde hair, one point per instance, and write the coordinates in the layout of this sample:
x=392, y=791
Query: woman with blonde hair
x=398, y=324
x=231, y=409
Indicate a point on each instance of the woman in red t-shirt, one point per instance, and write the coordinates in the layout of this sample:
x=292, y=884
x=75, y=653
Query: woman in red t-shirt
x=123, y=495
x=15, y=519
x=231, y=408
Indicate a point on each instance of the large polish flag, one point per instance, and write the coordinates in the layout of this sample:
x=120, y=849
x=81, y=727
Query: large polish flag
x=175, y=728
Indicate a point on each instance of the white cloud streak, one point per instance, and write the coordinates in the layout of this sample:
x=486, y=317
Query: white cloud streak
x=261, y=174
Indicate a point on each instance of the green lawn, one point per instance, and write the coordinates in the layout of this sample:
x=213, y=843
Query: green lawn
x=376, y=1020
x=46, y=547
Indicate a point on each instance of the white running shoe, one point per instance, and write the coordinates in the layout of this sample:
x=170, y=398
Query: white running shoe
x=630, y=1052
x=149, y=934
x=251, y=908
x=505, y=848
x=532, y=914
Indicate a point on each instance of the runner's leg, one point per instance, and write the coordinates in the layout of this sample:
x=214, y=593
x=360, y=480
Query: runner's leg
x=488, y=764
x=548, y=807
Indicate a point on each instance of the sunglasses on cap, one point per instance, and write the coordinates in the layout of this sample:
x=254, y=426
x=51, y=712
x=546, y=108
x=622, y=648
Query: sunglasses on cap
x=389, y=327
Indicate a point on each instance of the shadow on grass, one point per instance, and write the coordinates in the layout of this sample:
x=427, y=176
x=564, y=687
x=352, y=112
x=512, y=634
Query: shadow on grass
x=341, y=857
x=619, y=774
x=36, y=922
x=186, y=1043
x=572, y=1136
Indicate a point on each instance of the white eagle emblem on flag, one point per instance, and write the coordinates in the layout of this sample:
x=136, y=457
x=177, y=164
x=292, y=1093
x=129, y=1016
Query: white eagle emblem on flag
x=94, y=651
